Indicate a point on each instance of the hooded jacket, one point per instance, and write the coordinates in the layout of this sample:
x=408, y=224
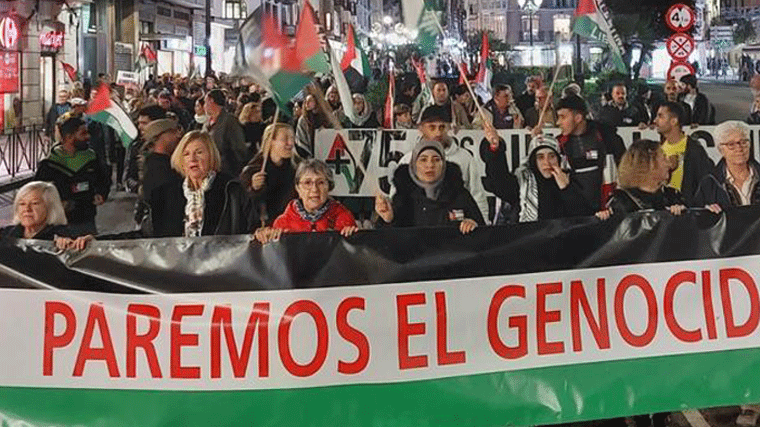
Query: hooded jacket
x=412, y=208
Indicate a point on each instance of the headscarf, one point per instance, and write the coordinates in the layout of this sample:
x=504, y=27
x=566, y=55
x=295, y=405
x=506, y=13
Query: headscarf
x=364, y=116
x=531, y=179
x=432, y=189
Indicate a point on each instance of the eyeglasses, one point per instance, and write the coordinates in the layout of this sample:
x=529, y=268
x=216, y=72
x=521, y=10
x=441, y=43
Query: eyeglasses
x=308, y=183
x=733, y=145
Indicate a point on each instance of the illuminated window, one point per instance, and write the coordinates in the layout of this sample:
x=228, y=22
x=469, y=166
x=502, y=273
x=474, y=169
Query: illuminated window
x=235, y=9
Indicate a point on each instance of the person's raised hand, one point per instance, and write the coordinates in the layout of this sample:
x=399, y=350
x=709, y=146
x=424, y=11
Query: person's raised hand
x=562, y=179
x=258, y=179
x=383, y=207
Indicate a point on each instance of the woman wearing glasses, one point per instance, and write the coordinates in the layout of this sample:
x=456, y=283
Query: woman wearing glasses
x=733, y=181
x=313, y=209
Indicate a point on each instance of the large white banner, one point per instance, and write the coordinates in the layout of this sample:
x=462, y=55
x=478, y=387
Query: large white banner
x=377, y=334
x=380, y=150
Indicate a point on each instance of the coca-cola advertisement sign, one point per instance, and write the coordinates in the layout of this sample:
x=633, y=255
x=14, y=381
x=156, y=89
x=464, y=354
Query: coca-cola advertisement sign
x=9, y=72
x=51, y=41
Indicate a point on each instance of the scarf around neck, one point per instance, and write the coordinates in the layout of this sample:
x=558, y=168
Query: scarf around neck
x=195, y=205
x=312, y=217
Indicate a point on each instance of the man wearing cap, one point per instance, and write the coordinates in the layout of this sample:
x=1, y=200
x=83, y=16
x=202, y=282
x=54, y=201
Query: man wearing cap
x=226, y=133
x=435, y=124
x=586, y=144
x=82, y=181
x=162, y=135
x=61, y=107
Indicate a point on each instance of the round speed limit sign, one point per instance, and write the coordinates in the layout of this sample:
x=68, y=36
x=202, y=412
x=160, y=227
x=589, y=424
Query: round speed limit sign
x=680, y=17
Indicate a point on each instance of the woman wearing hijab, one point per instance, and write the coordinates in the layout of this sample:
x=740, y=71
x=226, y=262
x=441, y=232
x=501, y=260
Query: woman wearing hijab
x=366, y=119
x=429, y=192
x=642, y=175
x=546, y=191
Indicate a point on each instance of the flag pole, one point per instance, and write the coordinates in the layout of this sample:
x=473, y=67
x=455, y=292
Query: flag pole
x=548, y=97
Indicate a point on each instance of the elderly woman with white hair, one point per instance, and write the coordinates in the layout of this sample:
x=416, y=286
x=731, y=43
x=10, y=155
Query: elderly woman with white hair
x=734, y=180
x=37, y=213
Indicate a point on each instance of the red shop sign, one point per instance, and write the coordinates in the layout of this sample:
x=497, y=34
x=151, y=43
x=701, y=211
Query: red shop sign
x=51, y=40
x=8, y=72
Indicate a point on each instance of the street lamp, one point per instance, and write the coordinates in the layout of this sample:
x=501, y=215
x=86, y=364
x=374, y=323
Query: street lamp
x=531, y=7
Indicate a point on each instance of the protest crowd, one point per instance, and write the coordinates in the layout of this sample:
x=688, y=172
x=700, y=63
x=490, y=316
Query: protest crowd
x=220, y=156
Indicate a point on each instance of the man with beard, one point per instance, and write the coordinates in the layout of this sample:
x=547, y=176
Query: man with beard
x=82, y=181
x=672, y=91
x=526, y=99
x=687, y=158
x=620, y=112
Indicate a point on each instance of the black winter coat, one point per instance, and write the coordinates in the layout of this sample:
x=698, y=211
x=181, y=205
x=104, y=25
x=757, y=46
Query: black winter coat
x=47, y=233
x=412, y=208
x=696, y=165
x=228, y=209
x=714, y=189
x=625, y=201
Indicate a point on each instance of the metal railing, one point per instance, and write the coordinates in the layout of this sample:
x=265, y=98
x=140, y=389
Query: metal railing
x=20, y=150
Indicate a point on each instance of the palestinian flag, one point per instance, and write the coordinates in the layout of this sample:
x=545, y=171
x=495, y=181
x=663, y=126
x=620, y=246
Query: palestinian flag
x=354, y=57
x=425, y=95
x=422, y=17
x=103, y=110
x=483, y=79
x=308, y=45
x=266, y=55
x=70, y=71
x=592, y=20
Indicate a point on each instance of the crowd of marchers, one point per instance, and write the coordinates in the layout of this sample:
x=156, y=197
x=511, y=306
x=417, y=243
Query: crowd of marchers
x=218, y=157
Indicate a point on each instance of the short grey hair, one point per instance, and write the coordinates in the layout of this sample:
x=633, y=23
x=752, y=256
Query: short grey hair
x=318, y=167
x=49, y=194
x=721, y=132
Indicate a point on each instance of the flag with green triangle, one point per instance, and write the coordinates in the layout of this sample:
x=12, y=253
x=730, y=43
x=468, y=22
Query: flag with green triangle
x=267, y=55
x=308, y=50
x=424, y=18
x=355, y=57
x=592, y=20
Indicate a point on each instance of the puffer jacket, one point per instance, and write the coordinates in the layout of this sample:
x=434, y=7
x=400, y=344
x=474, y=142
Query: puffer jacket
x=336, y=218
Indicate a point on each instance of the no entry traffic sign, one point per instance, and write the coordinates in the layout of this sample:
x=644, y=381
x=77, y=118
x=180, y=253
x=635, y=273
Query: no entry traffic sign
x=679, y=69
x=680, y=46
x=680, y=17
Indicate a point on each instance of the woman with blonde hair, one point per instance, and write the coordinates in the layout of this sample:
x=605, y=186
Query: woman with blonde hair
x=252, y=121
x=642, y=177
x=205, y=201
x=270, y=176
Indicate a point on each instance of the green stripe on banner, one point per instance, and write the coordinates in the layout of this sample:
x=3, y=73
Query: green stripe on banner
x=535, y=396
